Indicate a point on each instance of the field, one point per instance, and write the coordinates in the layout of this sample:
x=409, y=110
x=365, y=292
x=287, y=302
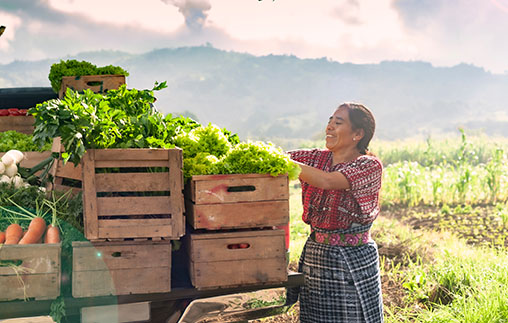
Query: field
x=442, y=231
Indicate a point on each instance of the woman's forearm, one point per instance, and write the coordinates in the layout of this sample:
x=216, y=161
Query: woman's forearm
x=322, y=179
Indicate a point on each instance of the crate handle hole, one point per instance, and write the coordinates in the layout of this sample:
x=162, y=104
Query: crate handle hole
x=10, y=263
x=239, y=246
x=94, y=83
x=242, y=188
x=116, y=254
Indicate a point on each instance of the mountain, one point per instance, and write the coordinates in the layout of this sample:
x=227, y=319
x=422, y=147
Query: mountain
x=281, y=96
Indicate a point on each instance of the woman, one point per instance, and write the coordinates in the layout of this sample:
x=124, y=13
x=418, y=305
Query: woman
x=340, y=191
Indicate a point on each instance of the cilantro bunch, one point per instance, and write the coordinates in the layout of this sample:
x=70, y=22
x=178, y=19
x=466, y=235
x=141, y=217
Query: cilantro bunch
x=73, y=67
x=118, y=119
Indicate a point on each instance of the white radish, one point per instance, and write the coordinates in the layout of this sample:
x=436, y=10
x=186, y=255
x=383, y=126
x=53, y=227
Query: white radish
x=16, y=155
x=7, y=160
x=17, y=181
x=2, y=168
x=5, y=179
x=11, y=170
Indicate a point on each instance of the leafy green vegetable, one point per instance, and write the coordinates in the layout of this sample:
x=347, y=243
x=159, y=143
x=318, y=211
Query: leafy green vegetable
x=118, y=119
x=79, y=68
x=16, y=140
x=209, y=139
x=258, y=158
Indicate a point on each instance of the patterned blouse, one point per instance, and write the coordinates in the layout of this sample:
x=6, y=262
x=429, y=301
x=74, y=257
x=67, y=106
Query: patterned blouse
x=341, y=209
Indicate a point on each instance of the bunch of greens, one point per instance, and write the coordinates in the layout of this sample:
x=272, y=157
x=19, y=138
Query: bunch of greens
x=118, y=119
x=16, y=140
x=79, y=68
x=258, y=158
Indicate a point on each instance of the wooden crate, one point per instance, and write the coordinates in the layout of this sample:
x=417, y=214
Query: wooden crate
x=96, y=83
x=65, y=176
x=237, y=201
x=36, y=273
x=120, y=268
x=23, y=124
x=113, y=203
x=214, y=262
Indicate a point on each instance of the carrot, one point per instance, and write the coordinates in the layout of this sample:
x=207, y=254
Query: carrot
x=2, y=237
x=13, y=233
x=52, y=234
x=35, y=231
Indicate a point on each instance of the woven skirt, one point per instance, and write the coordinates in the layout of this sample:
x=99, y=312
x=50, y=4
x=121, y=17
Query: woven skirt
x=342, y=284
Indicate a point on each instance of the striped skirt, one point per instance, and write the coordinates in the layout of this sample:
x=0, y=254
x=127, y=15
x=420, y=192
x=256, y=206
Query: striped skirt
x=342, y=284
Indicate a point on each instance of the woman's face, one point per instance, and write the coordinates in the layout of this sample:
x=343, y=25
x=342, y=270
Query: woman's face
x=339, y=133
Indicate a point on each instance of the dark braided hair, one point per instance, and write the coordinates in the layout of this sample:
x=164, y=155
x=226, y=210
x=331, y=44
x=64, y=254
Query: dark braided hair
x=361, y=118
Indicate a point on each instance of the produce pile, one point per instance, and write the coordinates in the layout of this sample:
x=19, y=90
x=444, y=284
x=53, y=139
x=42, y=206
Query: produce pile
x=13, y=112
x=127, y=118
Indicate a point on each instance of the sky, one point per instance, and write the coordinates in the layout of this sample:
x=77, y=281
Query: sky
x=442, y=32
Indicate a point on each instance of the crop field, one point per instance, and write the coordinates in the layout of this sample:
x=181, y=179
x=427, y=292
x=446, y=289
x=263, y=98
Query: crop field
x=442, y=232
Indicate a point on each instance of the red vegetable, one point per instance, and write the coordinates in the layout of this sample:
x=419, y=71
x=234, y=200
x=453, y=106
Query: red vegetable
x=23, y=112
x=13, y=112
x=4, y=112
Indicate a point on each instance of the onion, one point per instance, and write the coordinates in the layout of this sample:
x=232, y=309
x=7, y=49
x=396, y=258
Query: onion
x=2, y=168
x=5, y=179
x=11, y=170
x=16, y=155
x=7, y=159
x=17, y=181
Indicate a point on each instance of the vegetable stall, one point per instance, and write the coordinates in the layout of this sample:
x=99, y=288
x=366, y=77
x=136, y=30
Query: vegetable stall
x=158, y=208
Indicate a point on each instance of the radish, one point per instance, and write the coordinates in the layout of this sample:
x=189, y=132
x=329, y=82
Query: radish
x=2, y=168
x=11, y=170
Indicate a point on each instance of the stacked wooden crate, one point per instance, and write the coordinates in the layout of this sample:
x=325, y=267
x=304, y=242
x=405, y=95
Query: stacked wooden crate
x=133, y=208
x=21, y=123
x=233, y=219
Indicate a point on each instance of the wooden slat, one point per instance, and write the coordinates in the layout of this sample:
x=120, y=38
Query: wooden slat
x=130, y=163
x=237, y=215
x=132, y=182
x=215, y=190
x=135, y=205
x=23, y=124
x=212, y=250
x=90, y=210
x=128, y=255
x=175, y=179
x=37, y=258
x=145, y=231
x=121, y=282
x=38, y=276
x=145, y=154
x=69, y=170
x=236, y=234
x=119, y=223
x=239, y=272
x=38, y=286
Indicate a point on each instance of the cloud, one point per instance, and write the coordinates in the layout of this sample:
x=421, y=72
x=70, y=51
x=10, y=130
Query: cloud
x=194, y=12
x=349, y=12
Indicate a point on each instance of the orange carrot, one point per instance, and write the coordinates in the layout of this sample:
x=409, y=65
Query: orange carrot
x=35, y=231
x=2, y=237
x=52, y=234
x=13, y=233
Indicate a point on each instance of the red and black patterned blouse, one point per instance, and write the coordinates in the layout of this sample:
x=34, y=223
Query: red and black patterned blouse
x=340, y=209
